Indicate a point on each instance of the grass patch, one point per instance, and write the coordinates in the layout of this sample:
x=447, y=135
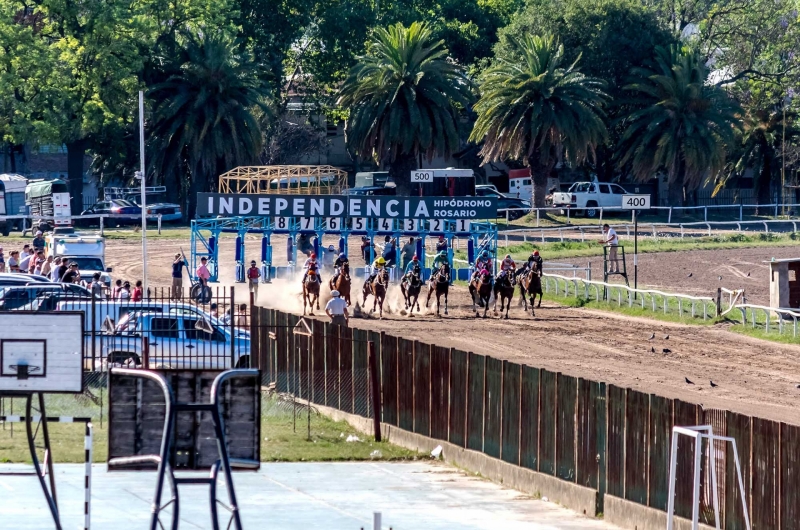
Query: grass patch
x=284, y=438
x=786, y=337
x=637, y=311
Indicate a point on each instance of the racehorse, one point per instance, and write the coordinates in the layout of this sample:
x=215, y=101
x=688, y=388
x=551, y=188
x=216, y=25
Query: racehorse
x=342, y=283
x=310, y=292
x=531, y=284
x=440, y=282
x=377, y=288
x=411, y=288
x=504, y=290
x=481, y=286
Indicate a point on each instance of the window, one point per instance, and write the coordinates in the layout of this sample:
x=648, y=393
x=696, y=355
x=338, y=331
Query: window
x=526, y=182
x=166, y=328
x=196, y=334
x=604, y=188
x=618, y=190
x=332, y=128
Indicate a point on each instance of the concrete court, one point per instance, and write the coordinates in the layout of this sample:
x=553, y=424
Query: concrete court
x=301, y=496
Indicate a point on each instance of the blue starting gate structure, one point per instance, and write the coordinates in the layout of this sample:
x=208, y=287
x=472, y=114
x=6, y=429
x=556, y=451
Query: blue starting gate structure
x=480, y=236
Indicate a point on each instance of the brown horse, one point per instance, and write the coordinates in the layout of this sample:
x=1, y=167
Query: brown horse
x=310, y=292
x=377, y=288
x=481, y=287
x=440, y=282
x=504, y=290
x=411, y=288
x=531, y=284
x=342, y=283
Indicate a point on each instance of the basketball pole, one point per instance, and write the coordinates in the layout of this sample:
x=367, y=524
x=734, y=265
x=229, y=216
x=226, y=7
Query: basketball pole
x=144, y=200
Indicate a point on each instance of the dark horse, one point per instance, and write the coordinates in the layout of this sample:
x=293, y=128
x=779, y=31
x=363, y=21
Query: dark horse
x=440, y=282
x=531, y=284
x=377, y=288
x=504, y=290
x=342, y=283
x=481, y=287
x=411, y=288
x=310, y=292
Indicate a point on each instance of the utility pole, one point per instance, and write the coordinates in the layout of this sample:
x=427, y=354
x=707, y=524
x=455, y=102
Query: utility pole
x=144, y=202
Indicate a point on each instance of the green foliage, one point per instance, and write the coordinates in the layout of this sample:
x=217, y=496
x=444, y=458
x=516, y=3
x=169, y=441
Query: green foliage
x=534, y=109
x=403, y=97
x=685, y=126
x=204, y=114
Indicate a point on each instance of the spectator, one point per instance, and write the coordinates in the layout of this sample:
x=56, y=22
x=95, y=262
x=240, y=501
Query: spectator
x=203, y=274
x=337, y=310
x=97, y=287
x=34, y=262
x=37, y=270
x=2, y=261
x=253, y=274
x=328, y=256
x=136, y=296
x=26, y=251
x=116, y=290
x=38, y=242
x=241, y=316
x=61, y=270
x=441, y=244
x=304, y=245
x=47, y=267
x=177, y=277
x=408, y=251
x=214, y=310
x=72, y=275
x=125, y=292
x=25, y=262
x=365, y=249
x=13, y=261
x=389, y=251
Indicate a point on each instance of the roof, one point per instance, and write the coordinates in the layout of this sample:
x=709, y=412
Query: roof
x=783, y=260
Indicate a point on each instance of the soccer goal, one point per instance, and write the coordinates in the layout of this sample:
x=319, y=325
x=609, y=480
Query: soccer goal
x=699, y=433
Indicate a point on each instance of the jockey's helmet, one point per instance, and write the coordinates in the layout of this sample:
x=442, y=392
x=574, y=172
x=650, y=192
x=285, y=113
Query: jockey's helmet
x=508, y=256
x=342, y=255
x=253, y=263
x=313, y=255
x=381, y=261
x=330, y=248
x=535, y=252
x=415, y=258
x=441, y=238
x=484, y=254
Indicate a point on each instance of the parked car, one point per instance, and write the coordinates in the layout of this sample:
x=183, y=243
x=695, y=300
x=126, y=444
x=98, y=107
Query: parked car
x=589, y=197
x=20, y=279
x=49, y=300
x=114, y=207
x=169, y=212
x=15, y=297
x=373, y=190
x=518, y=207
x=177, y=339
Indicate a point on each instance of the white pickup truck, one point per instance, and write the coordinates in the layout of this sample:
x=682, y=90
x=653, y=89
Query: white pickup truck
x=589, y=197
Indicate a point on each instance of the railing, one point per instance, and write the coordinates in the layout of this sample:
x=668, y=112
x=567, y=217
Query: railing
x=102, y=219
x=781, y=315
x=608, y=292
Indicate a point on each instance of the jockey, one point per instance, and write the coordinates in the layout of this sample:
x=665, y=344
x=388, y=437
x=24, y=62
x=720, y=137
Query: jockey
x=508, y=265
x=311, y=265
x=533, y=258
x=483, y=262
x=413, y=267
x=438, y=261
x=377, y=266
x=338, y=264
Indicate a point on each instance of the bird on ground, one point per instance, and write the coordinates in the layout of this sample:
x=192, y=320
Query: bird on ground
x=713, y=384
x=652, y=336
x=719, y=278
x=690, y=275
x=748, y=274
x=653, y=350
x=688, y=381
x=666, y=350
x=666, y=337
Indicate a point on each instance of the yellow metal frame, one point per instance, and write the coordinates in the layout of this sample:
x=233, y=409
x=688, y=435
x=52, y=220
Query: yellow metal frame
x=290, y=180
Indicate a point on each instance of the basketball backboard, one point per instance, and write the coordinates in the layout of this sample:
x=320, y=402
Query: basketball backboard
x=41, y=352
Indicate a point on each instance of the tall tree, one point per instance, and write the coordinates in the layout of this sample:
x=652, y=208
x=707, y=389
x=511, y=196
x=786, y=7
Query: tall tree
x=206, y=115
x=685, y=126
x=404, y=98
x=535, y=109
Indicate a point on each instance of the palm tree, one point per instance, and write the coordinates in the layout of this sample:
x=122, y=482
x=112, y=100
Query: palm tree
x=684, y=126
x=206, y=115
x=760, y=149
x=535, y=110
x=404, y=98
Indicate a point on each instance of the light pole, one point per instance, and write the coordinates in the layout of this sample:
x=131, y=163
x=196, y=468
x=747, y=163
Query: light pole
x=141, y=176
x=786, y=102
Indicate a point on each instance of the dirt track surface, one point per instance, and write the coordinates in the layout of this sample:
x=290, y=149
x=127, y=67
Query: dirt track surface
x=754, y=377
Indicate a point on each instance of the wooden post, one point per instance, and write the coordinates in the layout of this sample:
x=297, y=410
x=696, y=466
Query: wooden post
x=145, y=352
x=372, y=361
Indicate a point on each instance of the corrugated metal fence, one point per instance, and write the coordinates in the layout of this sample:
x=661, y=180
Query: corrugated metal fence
x=600, y=436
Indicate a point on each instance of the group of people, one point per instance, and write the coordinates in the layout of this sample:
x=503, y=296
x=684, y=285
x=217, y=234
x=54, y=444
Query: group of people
x=31, y=260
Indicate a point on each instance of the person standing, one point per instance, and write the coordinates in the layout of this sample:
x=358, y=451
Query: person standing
x=47, y=268
x=610, y=238
x=177, y=277
x=125, y=292
x=97, y=287
x=408, y=252
x=336, y=309
x=241, y=317
x=365, y=249
x=203, y=274
x=13, y=261
x=26, y=251
x=62, y=270
x=116, y=290
x=38, y=242
x=72, y=275
x=37, y=270
x=25, y=262
x=253, y=274
x=2, y=261
x=441, y=244
x=136, y=295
